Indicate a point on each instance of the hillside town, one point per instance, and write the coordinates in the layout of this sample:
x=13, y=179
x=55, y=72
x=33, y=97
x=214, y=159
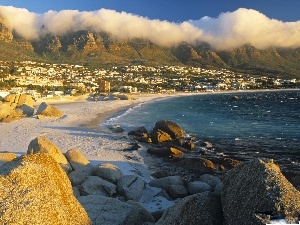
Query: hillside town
x=48, y=80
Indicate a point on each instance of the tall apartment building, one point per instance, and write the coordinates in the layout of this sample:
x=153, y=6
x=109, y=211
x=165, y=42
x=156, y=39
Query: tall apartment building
x=104, y=86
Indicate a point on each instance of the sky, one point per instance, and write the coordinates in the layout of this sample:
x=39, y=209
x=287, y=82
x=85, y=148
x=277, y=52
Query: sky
x=222, y=23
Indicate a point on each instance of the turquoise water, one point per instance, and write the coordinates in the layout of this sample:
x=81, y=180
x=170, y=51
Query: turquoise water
x=265, y=123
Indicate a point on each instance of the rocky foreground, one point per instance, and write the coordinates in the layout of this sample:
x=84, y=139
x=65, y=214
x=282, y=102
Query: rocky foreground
x=45, y=186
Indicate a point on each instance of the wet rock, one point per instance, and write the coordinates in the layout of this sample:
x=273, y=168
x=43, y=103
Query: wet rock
x=197, y=165
x=158, y=136
x=165, y=151
x=171, y=128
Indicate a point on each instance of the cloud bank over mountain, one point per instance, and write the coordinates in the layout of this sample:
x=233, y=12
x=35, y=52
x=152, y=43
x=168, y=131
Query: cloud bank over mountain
x=228, y=30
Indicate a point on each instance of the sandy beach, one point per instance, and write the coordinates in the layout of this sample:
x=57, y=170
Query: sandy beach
x=79, y=128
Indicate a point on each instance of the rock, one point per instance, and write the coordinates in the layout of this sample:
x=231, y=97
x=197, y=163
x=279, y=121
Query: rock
x=26, y=110
x=35, y=190
x=177, y=191
x=197, y=165
x=213, y=181
x=107, y=211
x=76, y=159
x=46, y=110
x=218, y=189
x=76, y=191
x=204, y=208
x=25, y=103
x=295, y=180
x=94, y=185
x=5, y=110
x=170, y=128
x=165, y=152
x=131, y=187
x=256, y=192
x=198, y=187
x=44, y=145
x=230, y=163
x=6, y=157
x=160, y=174
x=109, y=172
x=116, y=129
x=158, y=136
x=165, y=182
x=78, y=176
x=140, y=134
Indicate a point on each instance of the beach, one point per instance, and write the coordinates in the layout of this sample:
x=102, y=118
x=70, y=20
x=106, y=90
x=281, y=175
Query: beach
x=79, y=128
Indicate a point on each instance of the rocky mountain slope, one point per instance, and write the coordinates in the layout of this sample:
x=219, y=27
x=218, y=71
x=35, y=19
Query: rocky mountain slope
x=102, y=49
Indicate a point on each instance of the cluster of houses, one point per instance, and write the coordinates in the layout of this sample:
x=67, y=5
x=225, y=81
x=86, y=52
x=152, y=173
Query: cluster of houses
x=134, y=78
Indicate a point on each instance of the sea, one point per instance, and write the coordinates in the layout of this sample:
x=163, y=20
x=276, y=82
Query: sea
x=240, y=125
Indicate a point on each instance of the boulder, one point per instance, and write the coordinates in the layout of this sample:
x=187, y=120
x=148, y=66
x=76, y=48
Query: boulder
x=5, y=110
x=35, y=190
x=44, y=145
x=25, y=99
x=107, y=211
x=46, y=110
x=94, y=185
x=198, y=187
x=165, y=182
x=6, y=157
x=197, y=165
x=177, y=191
x=165, y=151
x=256, y=192
x=158, y=136
x=109, y=172
x=76, y=159
x=140, y=134
x=203, y=208
x=171, y=128
x=213, y=181
x=78, y=176
x=131, y=187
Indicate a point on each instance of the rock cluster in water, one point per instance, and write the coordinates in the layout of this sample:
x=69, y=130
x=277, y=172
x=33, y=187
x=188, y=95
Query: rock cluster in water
x=46, y=186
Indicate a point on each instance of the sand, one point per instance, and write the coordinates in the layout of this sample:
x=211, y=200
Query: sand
x=80, y=128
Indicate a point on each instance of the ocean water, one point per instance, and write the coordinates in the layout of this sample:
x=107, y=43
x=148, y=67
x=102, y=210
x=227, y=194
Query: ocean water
x=256, y=124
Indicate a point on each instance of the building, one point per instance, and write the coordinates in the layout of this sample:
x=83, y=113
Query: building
x=104, y=86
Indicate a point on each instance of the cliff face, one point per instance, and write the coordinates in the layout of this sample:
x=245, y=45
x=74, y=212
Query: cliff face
x=5, y=34
x=100, y=49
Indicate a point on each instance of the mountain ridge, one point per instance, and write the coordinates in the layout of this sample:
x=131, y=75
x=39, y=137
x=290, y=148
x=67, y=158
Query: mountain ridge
x=96, y=49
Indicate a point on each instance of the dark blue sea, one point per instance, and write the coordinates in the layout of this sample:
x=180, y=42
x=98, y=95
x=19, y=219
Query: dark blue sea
x=241, y=125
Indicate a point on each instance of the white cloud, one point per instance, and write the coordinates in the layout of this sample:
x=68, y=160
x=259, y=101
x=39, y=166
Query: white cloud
x=228, y=30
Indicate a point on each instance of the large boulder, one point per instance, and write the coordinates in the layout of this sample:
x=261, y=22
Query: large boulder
x=204, y=208
x=171, y=128
x=131, y=187
x=6, y=157
x=197, y=165
x=107, y=211
x=44, y=145
x=46, y=110
x=165, y=152
x=256, y=192
x=76, y=159
x=35, y=190
x=109, y=172
x=78, y=176
x=94, y=185
x=158, y=136
x=165, y=182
